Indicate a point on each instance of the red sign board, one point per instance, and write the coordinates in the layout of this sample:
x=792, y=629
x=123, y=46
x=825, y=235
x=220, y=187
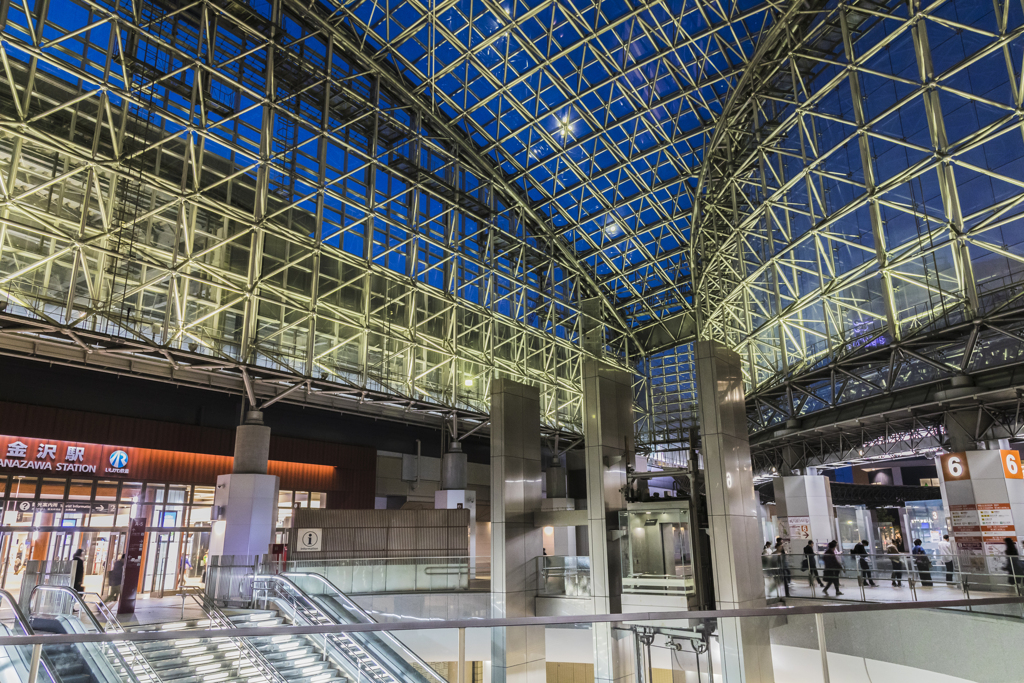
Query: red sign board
x=46, y=455
x=50, y=457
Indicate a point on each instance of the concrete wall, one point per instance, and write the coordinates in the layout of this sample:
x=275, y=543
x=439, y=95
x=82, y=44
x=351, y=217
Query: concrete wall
x=383, y=533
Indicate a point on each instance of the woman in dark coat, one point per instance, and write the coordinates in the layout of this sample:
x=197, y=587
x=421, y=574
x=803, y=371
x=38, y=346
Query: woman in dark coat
x=922, y=562
x=832, y=567
x=78, y=571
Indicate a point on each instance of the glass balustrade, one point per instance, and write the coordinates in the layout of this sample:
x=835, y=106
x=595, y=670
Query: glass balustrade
x=810, y=643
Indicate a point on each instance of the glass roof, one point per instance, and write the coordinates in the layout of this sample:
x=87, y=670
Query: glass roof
x=596, y=111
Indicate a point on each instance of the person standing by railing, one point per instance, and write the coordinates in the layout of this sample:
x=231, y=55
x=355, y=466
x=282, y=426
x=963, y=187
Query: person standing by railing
x=811, y=565
x=832, y=567
x=946, y=552
x=922, y=562
x=897, y=564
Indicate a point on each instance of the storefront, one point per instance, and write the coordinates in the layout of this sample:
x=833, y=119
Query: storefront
x=59, y=496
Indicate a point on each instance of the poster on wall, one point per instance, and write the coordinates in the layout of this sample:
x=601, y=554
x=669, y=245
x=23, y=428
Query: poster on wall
x=132, y=565
x=799, y=529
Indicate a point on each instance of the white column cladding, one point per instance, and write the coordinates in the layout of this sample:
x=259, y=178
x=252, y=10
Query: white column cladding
x=608, y=432
x=247, y=498
x=804, y=502
x=732, y=512
x=517, y=653
x=984, y=494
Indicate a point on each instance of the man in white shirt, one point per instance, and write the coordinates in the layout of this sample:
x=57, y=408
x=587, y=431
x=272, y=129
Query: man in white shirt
x=946, y=552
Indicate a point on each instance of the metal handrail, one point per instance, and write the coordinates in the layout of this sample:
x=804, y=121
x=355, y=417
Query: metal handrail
x=300, y=597
x=350, y=604
x=245, y=648
x=129, y=671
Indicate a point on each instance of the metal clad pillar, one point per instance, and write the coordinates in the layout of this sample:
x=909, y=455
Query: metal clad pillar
x=732, y=513
x=608, y=431
x=517, y=653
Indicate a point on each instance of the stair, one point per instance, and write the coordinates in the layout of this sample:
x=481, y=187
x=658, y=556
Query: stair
x=295, y=658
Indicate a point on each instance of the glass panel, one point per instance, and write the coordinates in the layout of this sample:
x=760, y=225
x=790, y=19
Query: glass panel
x=317, y=500
x=128, y=503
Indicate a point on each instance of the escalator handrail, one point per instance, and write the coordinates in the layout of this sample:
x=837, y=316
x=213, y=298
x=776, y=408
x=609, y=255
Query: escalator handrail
x=350, y=604
x=19, y=616
x=299, y=597
x=26, y=629
x=130, y=672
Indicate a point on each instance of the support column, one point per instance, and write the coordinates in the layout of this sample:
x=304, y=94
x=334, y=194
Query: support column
x=455, y=493
x=608, y=432
x=984, y=494
x=803, y=505
x=732, y=513
x=245, y=504
x=517, y=653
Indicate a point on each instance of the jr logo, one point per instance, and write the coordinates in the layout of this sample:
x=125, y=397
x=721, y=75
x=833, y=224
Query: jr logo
x=118, y=459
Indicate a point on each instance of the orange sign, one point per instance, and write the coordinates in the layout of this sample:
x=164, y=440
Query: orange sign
x=1011, y=464
x=954, y=467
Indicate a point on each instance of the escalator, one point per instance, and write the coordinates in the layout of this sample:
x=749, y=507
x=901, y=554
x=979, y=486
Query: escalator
x=60, y=610
x=312, y=600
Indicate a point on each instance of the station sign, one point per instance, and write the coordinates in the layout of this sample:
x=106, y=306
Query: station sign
x=42, y=456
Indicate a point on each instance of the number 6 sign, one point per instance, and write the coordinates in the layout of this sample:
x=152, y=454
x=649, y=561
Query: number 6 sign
x=1011, y=464
x=954, y=467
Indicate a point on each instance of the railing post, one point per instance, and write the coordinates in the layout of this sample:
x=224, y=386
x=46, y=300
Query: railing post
x=460, y=673
x=819, y=622
x=37, y=653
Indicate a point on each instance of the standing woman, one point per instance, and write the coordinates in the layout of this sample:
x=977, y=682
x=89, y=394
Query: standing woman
x=897, y=564
x=922, y=562
x=832, y=567
x=78, y=571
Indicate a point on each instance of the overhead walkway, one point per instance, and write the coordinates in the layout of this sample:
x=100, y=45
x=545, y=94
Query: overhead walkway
x=894, y=578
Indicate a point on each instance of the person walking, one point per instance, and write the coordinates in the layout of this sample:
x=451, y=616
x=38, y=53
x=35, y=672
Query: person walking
x=767, y=549
x=78, y=571
x=897, y=564
x=114, y=578
x=832, y=567
x=922, y=562
x=780, y=551
x=811, y=565
x=862, y=561
x=1013, y=564
x=946, y=553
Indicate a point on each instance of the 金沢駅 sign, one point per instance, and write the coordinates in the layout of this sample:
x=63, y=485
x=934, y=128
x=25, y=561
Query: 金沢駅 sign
x=48, y=455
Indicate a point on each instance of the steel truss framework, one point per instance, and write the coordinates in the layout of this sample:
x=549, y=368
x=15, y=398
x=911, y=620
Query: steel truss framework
x=389, y=203
x=228, y=195
x=861, y=233
x=383, y=206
